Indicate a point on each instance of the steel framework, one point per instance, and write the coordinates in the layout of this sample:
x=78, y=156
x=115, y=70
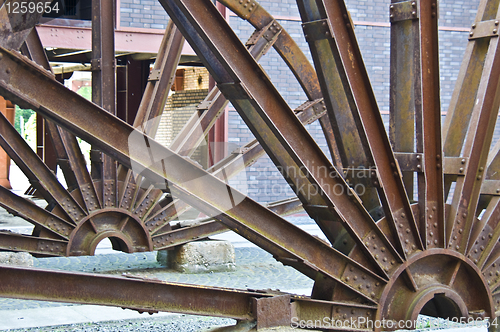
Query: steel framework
x=393, y=252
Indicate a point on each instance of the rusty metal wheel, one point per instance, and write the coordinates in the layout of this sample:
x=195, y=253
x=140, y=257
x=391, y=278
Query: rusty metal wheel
x=394, y=250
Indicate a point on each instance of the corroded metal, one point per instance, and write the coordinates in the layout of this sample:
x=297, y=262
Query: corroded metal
x=392, y=254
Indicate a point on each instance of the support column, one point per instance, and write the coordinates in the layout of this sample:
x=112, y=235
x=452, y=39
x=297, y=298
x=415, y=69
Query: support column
x=103, y=84
x=7, y=109
x=218, y=135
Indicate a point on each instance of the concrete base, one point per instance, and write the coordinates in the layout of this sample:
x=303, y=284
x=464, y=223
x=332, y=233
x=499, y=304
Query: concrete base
x=16, y=258
x=199, y=257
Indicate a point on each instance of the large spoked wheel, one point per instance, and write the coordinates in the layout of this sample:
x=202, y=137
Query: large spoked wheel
x=394, y=250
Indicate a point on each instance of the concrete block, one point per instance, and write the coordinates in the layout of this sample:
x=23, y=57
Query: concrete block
x=16, y=258
x=199, y=257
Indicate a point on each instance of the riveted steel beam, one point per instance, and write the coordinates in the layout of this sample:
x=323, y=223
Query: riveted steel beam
x=484, y=111
x=190, y=183
x=466, y=90
x=271, y=120
x=428, y=103
x=37, y=172
x=35, y=245
x=361, y=100
x=154, y=295
x=34, y=214
x=295, y=59
x=156, y=92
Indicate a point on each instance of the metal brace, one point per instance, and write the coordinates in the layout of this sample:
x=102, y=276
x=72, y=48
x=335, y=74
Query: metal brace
x=95, y=64
x=272, y=31
x=365, y=176
x=484, y=29
x=410, y=162
x=269, y=32
x=204, y=105
x=154, y=75
x=490, y=187
x=455, y=165
x=317, y=30
x=402, y=11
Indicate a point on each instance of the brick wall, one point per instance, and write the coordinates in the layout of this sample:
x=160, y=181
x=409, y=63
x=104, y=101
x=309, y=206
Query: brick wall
x=195, y=78
x=147, y=14
x=179, y=108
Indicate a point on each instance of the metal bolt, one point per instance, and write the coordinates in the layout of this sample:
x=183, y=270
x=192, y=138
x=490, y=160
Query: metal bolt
x=495, y=31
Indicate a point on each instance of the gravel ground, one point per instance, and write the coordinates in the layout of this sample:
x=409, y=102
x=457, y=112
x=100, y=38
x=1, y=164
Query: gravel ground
x=181, y=323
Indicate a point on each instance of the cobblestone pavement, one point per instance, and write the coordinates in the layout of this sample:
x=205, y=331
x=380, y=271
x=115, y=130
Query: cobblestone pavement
x=255, y=269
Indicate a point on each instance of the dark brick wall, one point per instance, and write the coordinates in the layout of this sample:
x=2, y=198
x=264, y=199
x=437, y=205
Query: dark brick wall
x=147, y=14
x=373, y=32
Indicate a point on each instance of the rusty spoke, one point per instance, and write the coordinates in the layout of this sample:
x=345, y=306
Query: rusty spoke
x=207, y=193
x=35, y=245
x=364, y=108
x=404, y=49
x=351, y=150
x=34, y=214
x=282, y=135
x=160, y=81
x=486, y=232
x=463, y=99
x=37, y=172
x=476, y=148
x=430, y=191
x=296, y=60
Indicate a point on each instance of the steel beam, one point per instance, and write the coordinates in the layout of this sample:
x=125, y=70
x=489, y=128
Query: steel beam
x=153, y=295
x=352, y=152
x=34, y=214
x=103, y=65
x=160, y=81
x=295, y=59
x=30, y=86
x=465, y=93
x=476, y=145
x=431, y=197
x=35, y=245
x=271, y=120
x=37, y=172
x=338, y=30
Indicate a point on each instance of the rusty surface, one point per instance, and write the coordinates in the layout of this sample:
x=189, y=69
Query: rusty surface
x=390, y=260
